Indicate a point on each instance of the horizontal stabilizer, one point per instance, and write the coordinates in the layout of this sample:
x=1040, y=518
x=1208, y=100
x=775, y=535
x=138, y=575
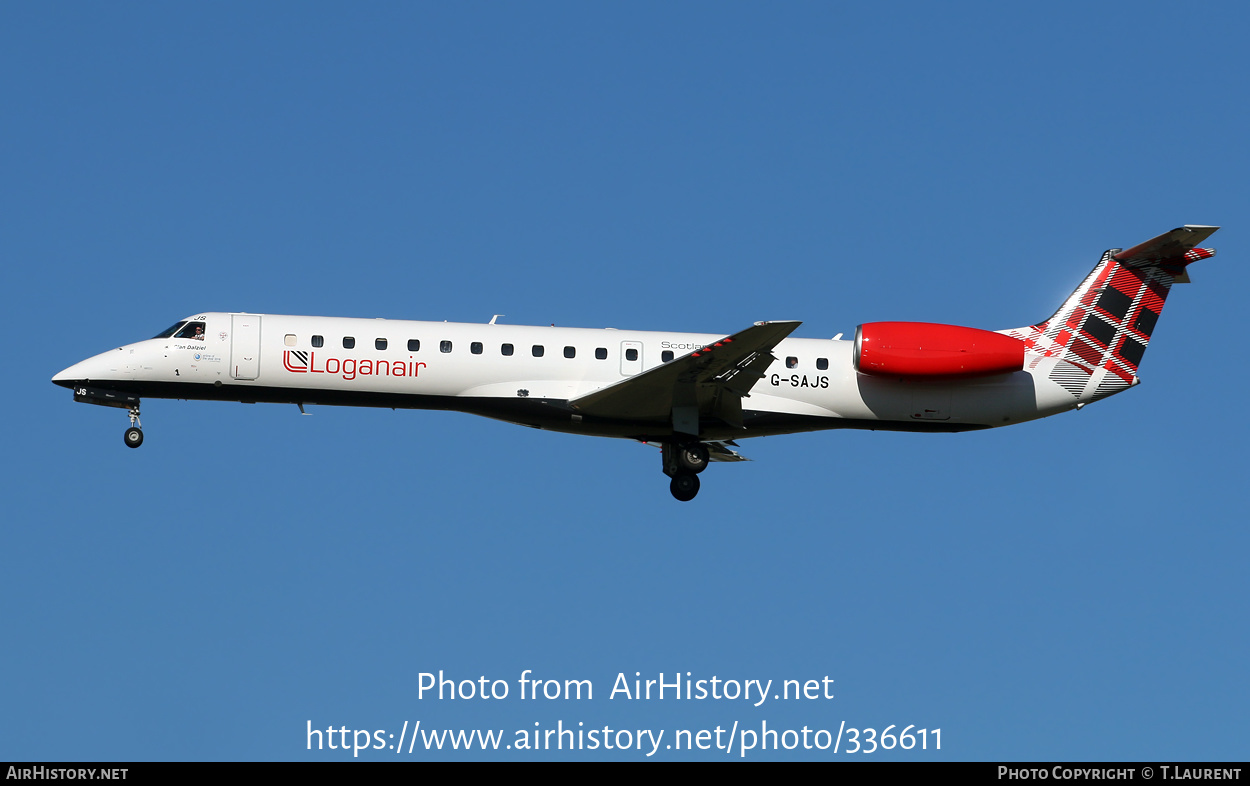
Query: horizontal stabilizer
x=1173, y=249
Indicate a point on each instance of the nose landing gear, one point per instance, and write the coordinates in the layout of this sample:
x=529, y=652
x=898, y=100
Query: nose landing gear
x=134, y=434
x=118, y=399
x=683, y=463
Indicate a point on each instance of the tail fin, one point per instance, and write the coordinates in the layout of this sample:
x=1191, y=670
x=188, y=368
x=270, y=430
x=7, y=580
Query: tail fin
x=1101, y=331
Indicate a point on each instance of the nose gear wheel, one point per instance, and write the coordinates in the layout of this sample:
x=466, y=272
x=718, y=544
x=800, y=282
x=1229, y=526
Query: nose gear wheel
x=134, y=434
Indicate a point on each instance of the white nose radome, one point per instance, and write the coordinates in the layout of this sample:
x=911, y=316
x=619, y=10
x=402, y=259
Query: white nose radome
x=107, y=365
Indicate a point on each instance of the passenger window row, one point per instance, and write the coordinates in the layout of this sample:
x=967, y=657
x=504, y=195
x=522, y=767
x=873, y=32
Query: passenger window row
x=475, y=347
x=537, y=350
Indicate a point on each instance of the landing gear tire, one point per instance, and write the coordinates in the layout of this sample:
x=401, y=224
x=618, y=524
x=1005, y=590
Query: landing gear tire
x=684, y=486
x=692, y=458
x=134, y=437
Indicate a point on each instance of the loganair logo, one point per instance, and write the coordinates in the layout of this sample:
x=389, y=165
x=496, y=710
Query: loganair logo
x=349, y=368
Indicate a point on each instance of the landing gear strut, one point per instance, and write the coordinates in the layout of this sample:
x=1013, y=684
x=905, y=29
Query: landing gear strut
x=683, y=463
x=134, y=434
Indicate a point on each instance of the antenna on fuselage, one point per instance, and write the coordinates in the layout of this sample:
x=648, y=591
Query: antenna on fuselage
x=497, y=316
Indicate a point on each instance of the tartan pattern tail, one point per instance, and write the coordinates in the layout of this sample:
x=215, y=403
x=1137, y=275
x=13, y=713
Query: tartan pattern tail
x=1100, y=333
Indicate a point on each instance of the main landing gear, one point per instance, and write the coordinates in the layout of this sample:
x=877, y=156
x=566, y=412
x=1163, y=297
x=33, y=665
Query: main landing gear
x=134, y=434
x=683, y=463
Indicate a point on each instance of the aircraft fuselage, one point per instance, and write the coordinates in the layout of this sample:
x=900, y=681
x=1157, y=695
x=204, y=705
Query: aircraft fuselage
x=690, y=393
x=528, y=375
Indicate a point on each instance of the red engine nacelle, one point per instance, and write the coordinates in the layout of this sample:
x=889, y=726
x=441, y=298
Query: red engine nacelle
x=922, y=349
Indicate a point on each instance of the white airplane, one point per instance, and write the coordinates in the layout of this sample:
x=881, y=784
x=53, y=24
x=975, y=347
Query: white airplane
x=692, y=395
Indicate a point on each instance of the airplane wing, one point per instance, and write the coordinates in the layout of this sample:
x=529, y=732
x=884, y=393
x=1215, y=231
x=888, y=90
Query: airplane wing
x=711, y=380
x=722, y=451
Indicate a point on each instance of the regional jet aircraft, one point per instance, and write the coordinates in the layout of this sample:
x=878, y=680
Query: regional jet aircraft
x=692, y=395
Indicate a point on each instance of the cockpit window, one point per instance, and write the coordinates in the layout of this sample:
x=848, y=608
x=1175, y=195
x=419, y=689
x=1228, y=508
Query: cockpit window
x=192, y=330
x=166, y=333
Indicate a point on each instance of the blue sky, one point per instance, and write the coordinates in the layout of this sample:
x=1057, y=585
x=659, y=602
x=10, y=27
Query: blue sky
x=1072, y=588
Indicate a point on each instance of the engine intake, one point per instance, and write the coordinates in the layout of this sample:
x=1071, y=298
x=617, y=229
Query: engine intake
x=923, y=349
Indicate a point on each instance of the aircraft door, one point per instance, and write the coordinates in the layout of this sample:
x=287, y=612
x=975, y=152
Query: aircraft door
x=245, y=346
x=631, y=357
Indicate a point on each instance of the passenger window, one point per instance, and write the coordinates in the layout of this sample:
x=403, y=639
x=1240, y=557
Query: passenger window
x=476, y=347
x=318, y=342
x=570, y=352
x=631, y=354
x=822, y=364
x=792, y=362
x=505, y=349
x=538, y=350
x=349, y=342
x=379, y=343
x=414, y=345
x=289, y=339
x=444, y=346
x=601, y=353
x=666, y=355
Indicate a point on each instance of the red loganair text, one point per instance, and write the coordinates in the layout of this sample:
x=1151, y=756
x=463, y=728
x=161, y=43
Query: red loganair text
x=349, y=368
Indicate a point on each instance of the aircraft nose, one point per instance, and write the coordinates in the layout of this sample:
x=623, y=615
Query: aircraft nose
x=99, y=367
x=69, y=376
